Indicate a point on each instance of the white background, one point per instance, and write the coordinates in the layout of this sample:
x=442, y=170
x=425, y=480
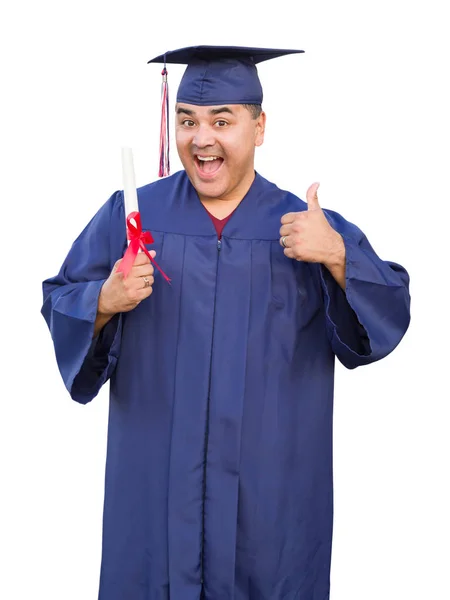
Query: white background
x=365, y=112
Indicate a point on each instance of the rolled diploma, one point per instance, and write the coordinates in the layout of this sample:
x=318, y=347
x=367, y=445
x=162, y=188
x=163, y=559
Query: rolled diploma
x=129, y=183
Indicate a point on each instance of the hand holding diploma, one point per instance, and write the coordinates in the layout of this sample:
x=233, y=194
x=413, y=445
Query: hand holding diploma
x=122, y=294
x=136, y=237
x=132, y=277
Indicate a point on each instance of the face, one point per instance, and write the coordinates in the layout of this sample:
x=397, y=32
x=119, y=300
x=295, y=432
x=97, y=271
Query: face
x=216, y=145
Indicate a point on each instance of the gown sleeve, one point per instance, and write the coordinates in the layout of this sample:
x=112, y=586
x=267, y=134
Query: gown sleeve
x=367, y=321
x=71, y=300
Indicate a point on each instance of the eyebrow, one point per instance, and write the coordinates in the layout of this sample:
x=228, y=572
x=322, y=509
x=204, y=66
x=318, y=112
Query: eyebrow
x=212, y=111
x=185, y=111
x=223, y=109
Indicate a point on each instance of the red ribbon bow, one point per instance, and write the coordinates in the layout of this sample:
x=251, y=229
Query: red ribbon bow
x=138, y=239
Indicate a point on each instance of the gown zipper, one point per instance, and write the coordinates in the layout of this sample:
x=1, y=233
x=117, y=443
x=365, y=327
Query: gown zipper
x=205, y=455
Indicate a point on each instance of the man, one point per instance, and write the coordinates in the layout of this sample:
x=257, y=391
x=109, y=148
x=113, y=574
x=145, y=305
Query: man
x=219, y=467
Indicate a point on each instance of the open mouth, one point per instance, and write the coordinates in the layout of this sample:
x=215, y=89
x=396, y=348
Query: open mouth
x=208, y=165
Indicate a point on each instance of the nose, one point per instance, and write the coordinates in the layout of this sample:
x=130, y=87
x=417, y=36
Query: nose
x=204, y=136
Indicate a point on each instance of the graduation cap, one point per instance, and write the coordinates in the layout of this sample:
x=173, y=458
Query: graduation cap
x=215, y=75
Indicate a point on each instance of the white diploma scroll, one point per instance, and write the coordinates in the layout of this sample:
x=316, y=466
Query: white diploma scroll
x=129, y=183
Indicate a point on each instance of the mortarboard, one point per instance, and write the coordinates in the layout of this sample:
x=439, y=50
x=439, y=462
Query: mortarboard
x=214, y=75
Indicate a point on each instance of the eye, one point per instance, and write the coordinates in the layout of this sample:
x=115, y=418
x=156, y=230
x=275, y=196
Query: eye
x=221, y=123
x=188, y=123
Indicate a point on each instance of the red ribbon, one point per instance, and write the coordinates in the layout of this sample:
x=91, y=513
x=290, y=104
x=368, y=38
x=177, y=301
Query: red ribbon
x=138, y=239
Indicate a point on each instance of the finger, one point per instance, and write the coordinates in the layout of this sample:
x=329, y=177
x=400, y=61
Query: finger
x=288, y=218
x=144, y=292
x=143, y=259
x=142, y=270
x=147, y=281
x=140, y=296
x=289, y=253
x=140, y=289
x=141, y=266
x=285, y=230
x=312, y=198
x=116, y=266
x=284, y=241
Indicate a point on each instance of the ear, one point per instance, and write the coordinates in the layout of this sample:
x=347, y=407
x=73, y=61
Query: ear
x=260, y=129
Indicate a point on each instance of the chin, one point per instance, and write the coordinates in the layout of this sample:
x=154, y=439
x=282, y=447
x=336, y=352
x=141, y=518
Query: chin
x=213, y=189
x=210, y=191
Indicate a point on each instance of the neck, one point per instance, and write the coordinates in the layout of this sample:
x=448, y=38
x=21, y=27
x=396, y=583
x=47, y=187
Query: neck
x=222, y=206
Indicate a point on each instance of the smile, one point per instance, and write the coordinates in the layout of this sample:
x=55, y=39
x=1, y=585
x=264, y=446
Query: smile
x=208, y=166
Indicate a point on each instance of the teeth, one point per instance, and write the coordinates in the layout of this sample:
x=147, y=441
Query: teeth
x=207, y=157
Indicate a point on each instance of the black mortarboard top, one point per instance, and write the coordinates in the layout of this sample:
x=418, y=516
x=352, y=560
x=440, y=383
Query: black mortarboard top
x=220, y=74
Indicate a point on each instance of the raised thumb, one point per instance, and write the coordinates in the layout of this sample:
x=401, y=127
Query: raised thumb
x=311, y=197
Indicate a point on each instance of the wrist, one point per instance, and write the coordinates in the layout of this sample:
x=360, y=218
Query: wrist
x=104, y=310
x=336, y=255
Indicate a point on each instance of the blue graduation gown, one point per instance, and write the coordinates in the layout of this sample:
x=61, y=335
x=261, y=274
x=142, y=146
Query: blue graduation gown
x=219, y=461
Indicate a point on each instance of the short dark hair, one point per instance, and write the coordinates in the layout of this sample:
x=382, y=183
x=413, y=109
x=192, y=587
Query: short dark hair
x=254, y=109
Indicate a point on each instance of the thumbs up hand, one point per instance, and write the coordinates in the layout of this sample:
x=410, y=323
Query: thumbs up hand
x=307, y=235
